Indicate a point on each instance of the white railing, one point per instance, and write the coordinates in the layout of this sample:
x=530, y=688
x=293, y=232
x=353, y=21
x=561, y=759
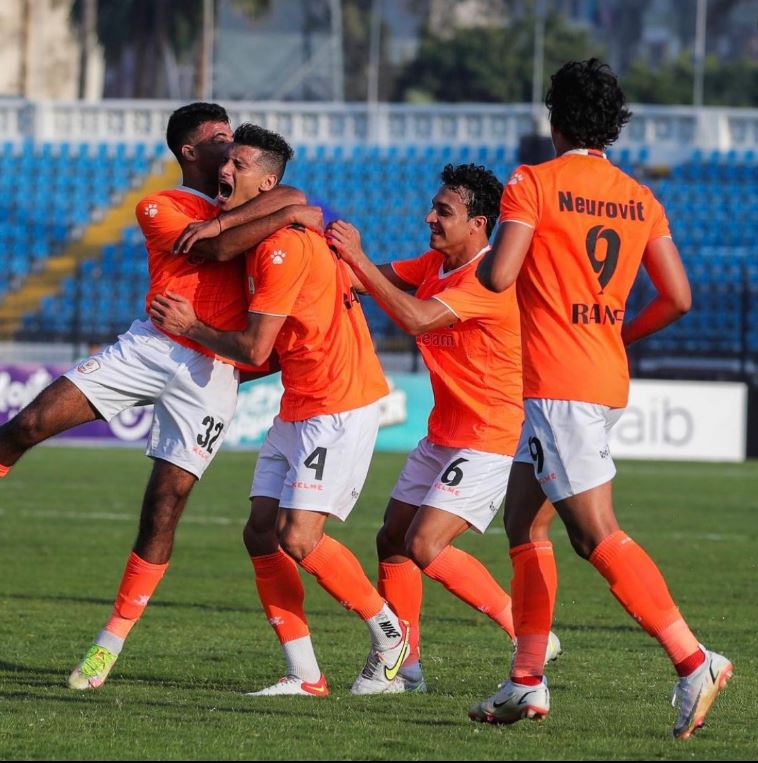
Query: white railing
x=667, y=132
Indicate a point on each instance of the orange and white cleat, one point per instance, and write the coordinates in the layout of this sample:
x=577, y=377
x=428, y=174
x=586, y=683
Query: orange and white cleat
x=696, y=692
x=293, y=686
x=513, y=702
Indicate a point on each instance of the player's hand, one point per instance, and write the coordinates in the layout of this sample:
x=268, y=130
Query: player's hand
x=195, y=232
x=345, y=240
x=172, y=313
x=307, y=216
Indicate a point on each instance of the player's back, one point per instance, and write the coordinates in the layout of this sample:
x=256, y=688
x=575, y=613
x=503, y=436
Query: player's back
x=592, y=223
x=326, y=353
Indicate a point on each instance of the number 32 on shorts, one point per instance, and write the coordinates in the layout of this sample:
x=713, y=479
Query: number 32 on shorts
x=213, y=430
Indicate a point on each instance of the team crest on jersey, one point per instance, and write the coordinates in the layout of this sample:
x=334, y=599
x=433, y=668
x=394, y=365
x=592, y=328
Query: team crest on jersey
x=277, y=257
x=516, y=177
x=250, y=285
x=151, y=210
x=88, y=366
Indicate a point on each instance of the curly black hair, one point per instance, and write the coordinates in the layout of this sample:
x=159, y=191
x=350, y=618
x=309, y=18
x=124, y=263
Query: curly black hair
x=275, y=151
x=185, y=120
x=479, y=189
x=587, y=106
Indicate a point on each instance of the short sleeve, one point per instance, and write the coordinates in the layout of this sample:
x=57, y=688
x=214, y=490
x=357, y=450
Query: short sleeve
x=471, y=300
x=276, y=272
x=161, y=222
x=660, y=224
x=520, y=201
x=413, y=271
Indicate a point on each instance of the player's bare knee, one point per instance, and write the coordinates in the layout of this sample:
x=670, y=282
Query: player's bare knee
x=296, y=542
x=388, y=543
x=26, y=429
x=422, y=549
x=259, y=539
x=584, y=545
x=516, y=529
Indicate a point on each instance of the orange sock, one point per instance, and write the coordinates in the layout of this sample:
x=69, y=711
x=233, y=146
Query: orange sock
x=637, y=583
x=468, y=579
x=4, y=470
x=340, y=574
x=535, y=583
x=282, y=595
x=138, y=583
x=401, y=586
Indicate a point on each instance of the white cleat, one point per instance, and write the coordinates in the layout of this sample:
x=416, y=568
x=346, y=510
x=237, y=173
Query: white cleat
x=94, y=668
x=554, y=650
x=382, y=668
x=696, y=692
x=293, y=686
x=513, y=702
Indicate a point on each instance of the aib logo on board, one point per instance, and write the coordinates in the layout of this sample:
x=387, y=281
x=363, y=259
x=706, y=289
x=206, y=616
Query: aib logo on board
x=605, y=267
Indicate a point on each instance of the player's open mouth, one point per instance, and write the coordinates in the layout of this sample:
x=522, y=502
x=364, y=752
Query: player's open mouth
x=224, y=190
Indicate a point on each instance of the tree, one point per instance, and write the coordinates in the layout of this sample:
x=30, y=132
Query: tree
x=489, y=64
x=141, y=38
x=732, y=83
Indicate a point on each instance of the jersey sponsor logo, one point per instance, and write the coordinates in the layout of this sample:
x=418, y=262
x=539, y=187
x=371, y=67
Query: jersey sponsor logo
x=277, y=257
x=433, y=339
x=515, y=178
x=583, y=314
x=151, y=210
x=631, y=210
x=443, y=488
x=605, y=452
x=198, y=451
x=300, y=485
x=89, y=366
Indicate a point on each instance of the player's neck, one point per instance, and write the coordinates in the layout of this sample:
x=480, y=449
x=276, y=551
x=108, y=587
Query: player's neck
x=195, y=181
x=462, y=255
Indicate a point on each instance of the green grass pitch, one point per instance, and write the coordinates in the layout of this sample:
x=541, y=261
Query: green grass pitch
x=67, y=521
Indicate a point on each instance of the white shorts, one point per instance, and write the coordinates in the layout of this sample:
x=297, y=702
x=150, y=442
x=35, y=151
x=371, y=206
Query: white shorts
x=567, y=442
x=319, y=464
x=194, y=395
x=468, y=483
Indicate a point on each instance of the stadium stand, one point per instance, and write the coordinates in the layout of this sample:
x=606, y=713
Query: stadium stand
x=386, y=192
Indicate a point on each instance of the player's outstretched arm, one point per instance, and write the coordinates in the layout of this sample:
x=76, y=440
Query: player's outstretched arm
x=236, y=231
x=500, y=267
x=253, y=346
x=674, y=299
x=413, y=315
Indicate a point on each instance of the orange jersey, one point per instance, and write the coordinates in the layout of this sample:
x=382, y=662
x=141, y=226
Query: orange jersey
x=474, y=364
x=324, y=346
x=591, y=224
x=215, y=289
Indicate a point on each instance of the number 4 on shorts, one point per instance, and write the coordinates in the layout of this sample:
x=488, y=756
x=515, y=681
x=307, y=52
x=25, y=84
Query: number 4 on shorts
x=316, y=461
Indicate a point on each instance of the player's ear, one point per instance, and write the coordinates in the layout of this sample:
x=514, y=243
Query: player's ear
x=269, y=182
x=478, y=223
x=188, y=152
